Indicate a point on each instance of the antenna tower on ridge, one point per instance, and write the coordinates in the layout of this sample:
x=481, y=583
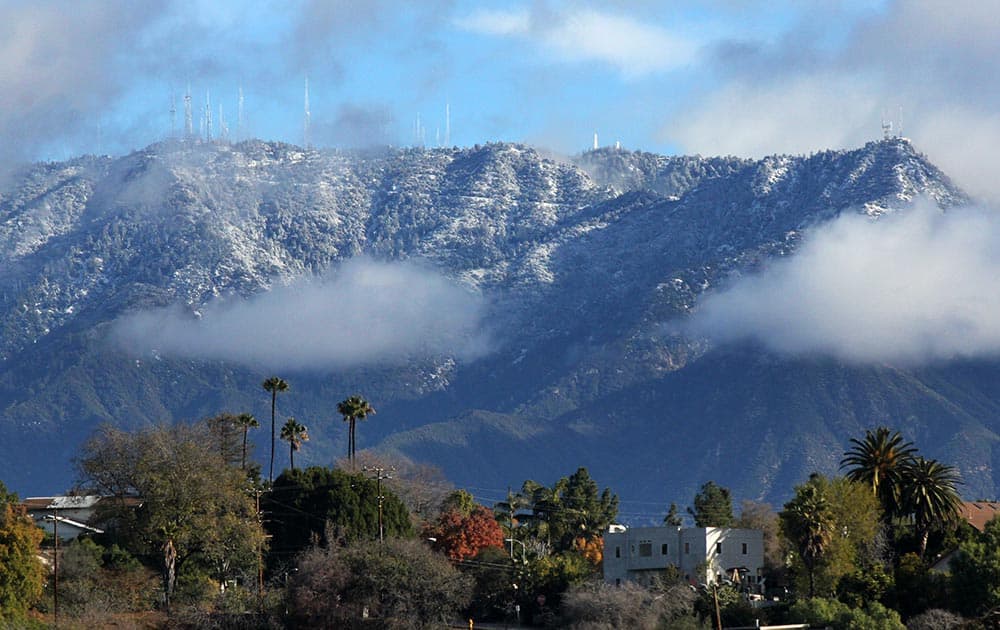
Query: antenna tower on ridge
x=188, y=114
x=306, y=117
x=208, y=116
x=447, y=124
x=595, y=141
x=239, y=115
x=173, y=114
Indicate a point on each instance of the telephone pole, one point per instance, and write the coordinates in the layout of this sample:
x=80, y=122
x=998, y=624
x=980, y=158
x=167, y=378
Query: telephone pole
x=379, y=474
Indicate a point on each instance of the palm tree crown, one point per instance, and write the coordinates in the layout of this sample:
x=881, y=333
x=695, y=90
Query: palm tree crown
x=246, y=421
x=274, y=385
x=929, y=495
x=353, y=409
x=879, y=461
x=295, y=434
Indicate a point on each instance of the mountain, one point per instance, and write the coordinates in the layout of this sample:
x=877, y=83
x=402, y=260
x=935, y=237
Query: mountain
x=582, y=263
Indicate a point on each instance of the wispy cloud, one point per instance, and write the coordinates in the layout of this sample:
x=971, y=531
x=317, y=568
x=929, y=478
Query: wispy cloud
x=365, y=313
x=802, y=92
x=912, y=287
x=634, y=48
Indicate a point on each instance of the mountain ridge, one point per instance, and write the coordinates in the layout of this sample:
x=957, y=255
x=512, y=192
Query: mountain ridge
x=582, y=261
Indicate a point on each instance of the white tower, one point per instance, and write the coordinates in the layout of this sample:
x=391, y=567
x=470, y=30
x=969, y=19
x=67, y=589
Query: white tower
x=447, y=124
x=240, y=130
x=595, y=141
x=173, y=114
x=188, y=114
x=306, y=117
x=208, y=116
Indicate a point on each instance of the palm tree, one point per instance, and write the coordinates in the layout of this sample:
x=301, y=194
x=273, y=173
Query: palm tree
x=353, y=409
x=274, y=385
x=879, y=461
x=808, y=524
x=295, y=434
x=246, y=421
x=929, y=496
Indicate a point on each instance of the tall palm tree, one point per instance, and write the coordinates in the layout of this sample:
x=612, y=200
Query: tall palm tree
x=274, y=385
x=353, y=409
x=929, y=496
x=295, y=434
x=879, y=461
x=246, y=421
x=808, y=524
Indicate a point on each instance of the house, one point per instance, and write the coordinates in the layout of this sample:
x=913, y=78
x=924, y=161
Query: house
x=71, y=514
x=975, y=513
x=701, y=554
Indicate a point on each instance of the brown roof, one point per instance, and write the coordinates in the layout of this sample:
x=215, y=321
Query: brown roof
x=978, y=513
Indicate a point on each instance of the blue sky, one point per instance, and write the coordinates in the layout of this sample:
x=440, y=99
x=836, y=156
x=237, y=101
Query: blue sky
x=713, y=77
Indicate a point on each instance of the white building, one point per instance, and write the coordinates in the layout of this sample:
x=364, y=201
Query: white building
x=701, y=554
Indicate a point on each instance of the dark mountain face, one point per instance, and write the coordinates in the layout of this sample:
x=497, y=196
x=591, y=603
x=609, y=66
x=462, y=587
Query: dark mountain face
x=583, y=266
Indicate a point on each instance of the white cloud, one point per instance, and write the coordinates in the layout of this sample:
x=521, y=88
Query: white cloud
x=935, y=61
x=912, y=287
x=365, y=313
x=633, y=48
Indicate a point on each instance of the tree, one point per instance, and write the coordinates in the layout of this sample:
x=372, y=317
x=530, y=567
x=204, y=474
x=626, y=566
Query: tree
x=807, y=523
x=421, y=487
x=463, y=535
x=273, y=385
x=600, y=605
x=21, y=577
x=820, y=612
x=831, y=524
x=402, y=583
x=196, y=513
x=929, y=496
x=975, y=572
x=673, y=517
x=303, y=502
x=353, y=409
x=246, y=421
x=761, y=516
x=224, y=429
x=879, y=461
x=295, y=434
x=713, y=507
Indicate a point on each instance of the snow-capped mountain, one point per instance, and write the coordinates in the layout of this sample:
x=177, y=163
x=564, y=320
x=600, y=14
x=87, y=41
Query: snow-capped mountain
x=581, y=262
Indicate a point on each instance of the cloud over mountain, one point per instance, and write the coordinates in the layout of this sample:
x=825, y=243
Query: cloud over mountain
x=912, y=287
x=364, y=313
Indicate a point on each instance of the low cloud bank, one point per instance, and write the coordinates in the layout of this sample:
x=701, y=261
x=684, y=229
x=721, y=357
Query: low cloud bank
x=363, y=313
x=914, y=287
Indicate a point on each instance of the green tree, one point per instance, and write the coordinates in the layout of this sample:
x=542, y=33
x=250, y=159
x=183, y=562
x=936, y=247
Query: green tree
x=713, y=507
x=929, y=496
x=573, y=508
x=353, y=409
x=21, y=577
x=246, y=421
x=807, y=523
x=975, y=572
x=196, y=513
x=761, y=516
x=274, y=385
x=673, y=517
x=402, y=584
x=303, y=502
x=295, y=433
x=879, y=461
x=224, y=432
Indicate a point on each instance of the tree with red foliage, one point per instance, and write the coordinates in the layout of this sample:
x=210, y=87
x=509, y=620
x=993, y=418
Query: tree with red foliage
x=461, y=537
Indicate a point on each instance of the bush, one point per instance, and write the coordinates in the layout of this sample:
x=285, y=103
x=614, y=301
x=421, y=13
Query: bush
x=601, y=606
x=819, y=611
x=935, y=619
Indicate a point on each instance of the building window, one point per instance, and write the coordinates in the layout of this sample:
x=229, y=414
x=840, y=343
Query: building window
x=663, y=549
x=718, y=547
x=618, y=552
x=744, y=549
x=645, y=549
x=687, y=547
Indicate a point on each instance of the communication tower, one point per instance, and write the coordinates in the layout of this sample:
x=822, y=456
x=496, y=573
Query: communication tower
x=306, y=117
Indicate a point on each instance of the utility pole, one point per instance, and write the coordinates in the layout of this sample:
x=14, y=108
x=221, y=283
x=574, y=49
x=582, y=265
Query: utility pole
x=379, y=474
x=55, y=572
